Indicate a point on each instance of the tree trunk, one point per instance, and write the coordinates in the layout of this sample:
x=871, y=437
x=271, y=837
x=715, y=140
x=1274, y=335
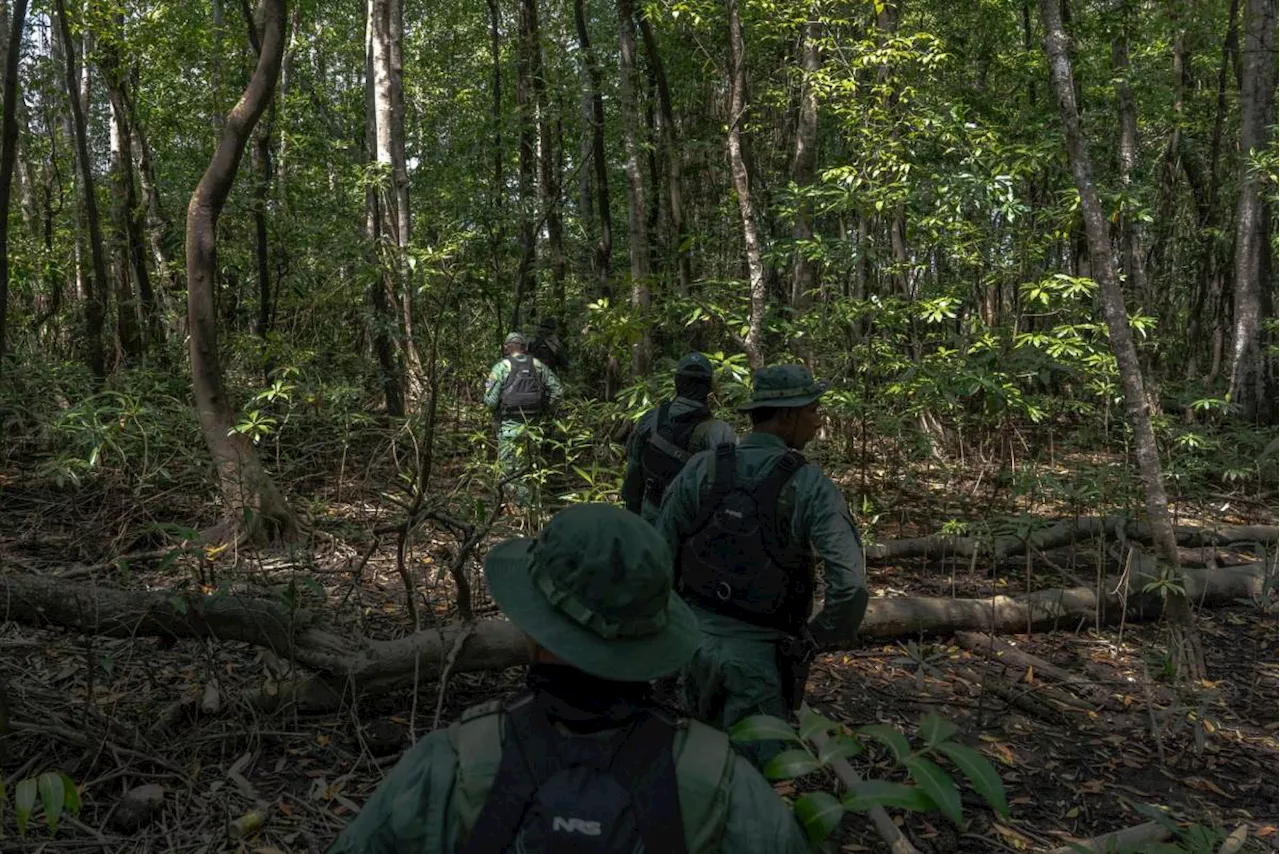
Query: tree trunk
x=9, y=152
x=1131, y=236
x=548, y=171
x=674, y=157
x=342, y=663
x=252, y=503
x=380, y=297
x=497, y=191
x=96, y=293
x=128, y=310
x=1187, y=652
x=526, y=47
x=742, y=186
x=803, y=161
x=1252, y=383
x=599, y=165
x=400, y=185
x=637, y=208
x=260, y=159
x=129, y=255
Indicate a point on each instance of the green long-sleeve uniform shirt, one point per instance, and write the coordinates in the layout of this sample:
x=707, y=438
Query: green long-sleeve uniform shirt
x=707, y=435
x=735, y=672
x=418, y=809
x=511, y=428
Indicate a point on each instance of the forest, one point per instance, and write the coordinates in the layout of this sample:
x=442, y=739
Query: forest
x=257, y=260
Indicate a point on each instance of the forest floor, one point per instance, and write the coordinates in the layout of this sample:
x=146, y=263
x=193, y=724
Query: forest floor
x=119, y=713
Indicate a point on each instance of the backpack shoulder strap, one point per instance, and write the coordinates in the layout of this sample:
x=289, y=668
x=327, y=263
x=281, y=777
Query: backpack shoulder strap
x=722, y=471
x=662, y=421
x=769, y=490
x=476, y=739
x=704, y=778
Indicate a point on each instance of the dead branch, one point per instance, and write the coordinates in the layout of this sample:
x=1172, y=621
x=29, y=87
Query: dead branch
x=1129, y=839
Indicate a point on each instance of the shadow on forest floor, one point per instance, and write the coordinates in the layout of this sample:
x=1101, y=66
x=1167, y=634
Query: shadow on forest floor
x=115, y=714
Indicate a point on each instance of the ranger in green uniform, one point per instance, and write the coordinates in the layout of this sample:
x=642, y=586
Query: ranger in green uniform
x=668, y=435
x=744, y=524
x=520, y=390
x=583, y=762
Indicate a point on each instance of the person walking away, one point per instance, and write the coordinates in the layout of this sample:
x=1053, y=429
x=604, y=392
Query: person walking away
x=547, y=347
x=520, y=392
x=745, y=523
x=582, y=762
x=668, y=435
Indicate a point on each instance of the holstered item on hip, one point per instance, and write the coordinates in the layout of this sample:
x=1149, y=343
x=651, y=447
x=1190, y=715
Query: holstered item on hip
x=795, y=657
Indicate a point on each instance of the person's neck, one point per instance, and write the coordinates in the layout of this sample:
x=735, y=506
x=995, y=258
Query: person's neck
x=770, y=428
x=579, y=698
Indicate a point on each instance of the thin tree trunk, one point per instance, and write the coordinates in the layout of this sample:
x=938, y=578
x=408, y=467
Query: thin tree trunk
x=383, y=322
x=253, y=504
x=548, y=174
x=1252, y=386
x=1187, y=652
x=526, y=46
x=637, y=208
x=96, y=293
x=599, y=165
x=400, y=184
x=675, y=160
x=742, y=186
x=496, y=189
x=129, y=255
x=9, y=152
x=128, y=314
x=803, y=163
x=260, y=160
x=1135, y=259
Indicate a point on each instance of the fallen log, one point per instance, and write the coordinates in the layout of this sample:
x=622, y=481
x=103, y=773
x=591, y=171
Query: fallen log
x=1003, y=651
x=1060, y=534
x=347, y=666
x=1129, y=839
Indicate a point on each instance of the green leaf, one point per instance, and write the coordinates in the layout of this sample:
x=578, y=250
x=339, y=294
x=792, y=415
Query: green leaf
x=981, y=774
x=934, y=730
x=873, y=793
x=24, y=802
x=938, y=785
x=819, y=814
x=839, y=747
x=52, y=796
x=812, y=723
x=790, y=764
x=71, y=800
x=890, y=737
x=763, y=728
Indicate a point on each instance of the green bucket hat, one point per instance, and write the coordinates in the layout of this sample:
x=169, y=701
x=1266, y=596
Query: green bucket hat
x=694, y=365
x=783, y=386
x=514, y=338
x=595, y=590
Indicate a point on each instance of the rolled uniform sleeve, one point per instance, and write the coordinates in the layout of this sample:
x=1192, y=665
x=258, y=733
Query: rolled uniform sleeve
x=411, y=808
x=493, y=384
x=759, y=822
x=822, y=519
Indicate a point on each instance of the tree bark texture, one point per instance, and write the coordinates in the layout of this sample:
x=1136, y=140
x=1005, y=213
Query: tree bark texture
x=602, y=257
x=637, y=207
x=803, y=163
x=95, y=304
x=9, y=152
x=1131, y=235
x=252, y=502
x=341, y=664
x=1104, y=272
x=1252, y=381
x=753, y=342
x=548, y=166
x=381, y=290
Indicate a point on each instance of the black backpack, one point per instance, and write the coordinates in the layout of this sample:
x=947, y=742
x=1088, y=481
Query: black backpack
x=548, y=351
x=667, y=450
x=522, y=389
x=571, y=794
x=740, y=560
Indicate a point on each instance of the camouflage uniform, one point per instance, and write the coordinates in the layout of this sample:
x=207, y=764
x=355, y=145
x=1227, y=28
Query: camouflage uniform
x=735, y=673
x=517, y=432
x=631, y=627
